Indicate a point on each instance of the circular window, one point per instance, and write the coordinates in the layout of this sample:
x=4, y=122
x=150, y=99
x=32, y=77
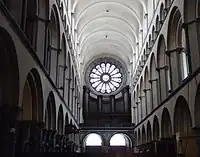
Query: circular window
x=105, y=77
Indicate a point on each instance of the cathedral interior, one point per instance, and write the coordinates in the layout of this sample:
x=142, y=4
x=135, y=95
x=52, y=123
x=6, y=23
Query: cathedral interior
x=100, y=78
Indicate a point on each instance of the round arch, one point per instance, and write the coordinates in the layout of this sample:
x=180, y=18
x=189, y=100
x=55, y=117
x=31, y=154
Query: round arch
x=183, y=127
x=9, y=81
x=156, y=129
x=120, y=139
x=182, y=116
x=32, y=102
x=153, y=81
x=166, y=126
x=54, y=43
x=9, y=89
x=161, y=62
x=92, y=139
x=50, y=112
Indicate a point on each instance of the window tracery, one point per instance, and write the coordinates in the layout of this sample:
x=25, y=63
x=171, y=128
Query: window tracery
x=105, y=76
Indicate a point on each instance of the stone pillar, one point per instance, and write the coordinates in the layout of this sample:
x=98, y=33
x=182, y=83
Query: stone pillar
x=126, y=100
x=146, y=94
x=154, y=91
x=99, y=103
x=162, y=82
x=113, y=103
x=137, y=108
x=142, y=102
x=86, y=99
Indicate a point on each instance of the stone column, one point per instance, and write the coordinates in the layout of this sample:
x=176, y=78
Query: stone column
x=126, y=100
x=99, y=103
x=86, y=99
x=162, y=82
x=146, y=92
x=113, y=103
x=154, y=93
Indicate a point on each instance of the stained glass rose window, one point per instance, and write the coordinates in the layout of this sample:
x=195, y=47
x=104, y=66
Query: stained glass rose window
x=105, y=77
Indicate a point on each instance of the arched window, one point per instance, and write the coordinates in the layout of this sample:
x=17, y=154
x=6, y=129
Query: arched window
x=93, y=139
x=29, y=25
x=118, y=140
x=183, y=56
x=168, y=74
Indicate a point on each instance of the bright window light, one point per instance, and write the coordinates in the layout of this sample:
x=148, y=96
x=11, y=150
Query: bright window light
x=118, y=140
x=93, y=140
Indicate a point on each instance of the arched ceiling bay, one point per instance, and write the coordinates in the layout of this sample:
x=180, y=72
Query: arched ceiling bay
x=107, y=27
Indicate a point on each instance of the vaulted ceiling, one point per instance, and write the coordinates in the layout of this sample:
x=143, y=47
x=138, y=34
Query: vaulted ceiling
x=108, y=27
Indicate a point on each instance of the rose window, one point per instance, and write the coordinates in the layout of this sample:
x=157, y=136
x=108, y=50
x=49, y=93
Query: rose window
x=105, y=77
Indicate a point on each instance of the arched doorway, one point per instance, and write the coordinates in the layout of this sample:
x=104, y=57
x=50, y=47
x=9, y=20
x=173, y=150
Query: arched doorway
x=92, y=143
x=9, y=90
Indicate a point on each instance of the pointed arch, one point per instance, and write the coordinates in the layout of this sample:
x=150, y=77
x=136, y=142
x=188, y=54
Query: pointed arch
x=60, y=120
x=149, y=132
x=143, y=135
x=139, y=137
x=156, y=129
